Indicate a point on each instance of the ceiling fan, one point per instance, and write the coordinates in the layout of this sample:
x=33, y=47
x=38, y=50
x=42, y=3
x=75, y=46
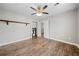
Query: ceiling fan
x=39, y=11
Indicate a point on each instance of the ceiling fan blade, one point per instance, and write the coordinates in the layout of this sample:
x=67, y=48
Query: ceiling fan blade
x=56, y=4
x=45, y=7
x=38, y=7
x=33, y=13
x=44, y=12
x=33, y=8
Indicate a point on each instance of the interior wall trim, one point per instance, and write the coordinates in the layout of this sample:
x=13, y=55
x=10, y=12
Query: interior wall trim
x=14, y=41
x=64, y=42
x=47, y=38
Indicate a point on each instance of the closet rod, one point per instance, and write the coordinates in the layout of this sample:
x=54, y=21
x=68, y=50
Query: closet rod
x=7, y=21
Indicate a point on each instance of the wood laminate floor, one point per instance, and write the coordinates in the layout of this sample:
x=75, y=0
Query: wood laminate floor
x=39, y=47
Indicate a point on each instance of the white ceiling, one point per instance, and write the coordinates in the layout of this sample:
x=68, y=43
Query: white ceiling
x=24, y=8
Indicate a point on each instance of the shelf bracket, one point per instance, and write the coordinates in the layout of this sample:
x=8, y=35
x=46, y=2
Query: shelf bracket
x=7, y=22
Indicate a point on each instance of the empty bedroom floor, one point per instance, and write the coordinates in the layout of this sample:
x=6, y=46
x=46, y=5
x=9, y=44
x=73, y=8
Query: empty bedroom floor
x=39, y=47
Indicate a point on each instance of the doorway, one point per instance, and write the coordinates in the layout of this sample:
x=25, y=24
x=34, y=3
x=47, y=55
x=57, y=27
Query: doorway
x=34, y=32
x=42, y=29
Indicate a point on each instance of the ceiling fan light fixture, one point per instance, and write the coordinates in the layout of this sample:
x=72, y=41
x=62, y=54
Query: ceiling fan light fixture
x=39, y=11
x=39, y=14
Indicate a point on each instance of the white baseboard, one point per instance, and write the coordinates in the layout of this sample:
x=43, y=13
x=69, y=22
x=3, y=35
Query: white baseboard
x=47, y=38
x=14, y=41
x=65, y=42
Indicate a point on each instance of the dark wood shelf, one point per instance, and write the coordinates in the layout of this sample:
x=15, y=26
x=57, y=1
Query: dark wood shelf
x=7, y=22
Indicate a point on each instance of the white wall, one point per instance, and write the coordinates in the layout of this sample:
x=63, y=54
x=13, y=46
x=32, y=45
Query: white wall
x=78, y=26
x=46, y=28
x=39, y=29
x=13, y=31
x=9, y=15
x=63, y=27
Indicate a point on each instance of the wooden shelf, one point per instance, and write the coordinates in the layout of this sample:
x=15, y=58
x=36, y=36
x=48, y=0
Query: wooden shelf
x=7, y=22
